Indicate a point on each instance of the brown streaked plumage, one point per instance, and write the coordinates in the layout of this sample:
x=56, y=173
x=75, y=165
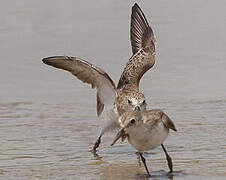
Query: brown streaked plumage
x=143, y=47
x=87, y=73
x=145, y=131
x=126, y=96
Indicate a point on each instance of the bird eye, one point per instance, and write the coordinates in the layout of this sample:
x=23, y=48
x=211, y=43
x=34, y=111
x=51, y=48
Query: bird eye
x=132, y=121
x=143, y=102
x=129, y=101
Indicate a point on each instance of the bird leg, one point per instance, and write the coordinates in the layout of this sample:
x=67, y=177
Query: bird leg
x=97, y=143
x=144, y=162
x=138, y=158
x=169, y=159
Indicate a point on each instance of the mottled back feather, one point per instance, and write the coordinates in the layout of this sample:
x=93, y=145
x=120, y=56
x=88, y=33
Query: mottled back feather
x=153, y=117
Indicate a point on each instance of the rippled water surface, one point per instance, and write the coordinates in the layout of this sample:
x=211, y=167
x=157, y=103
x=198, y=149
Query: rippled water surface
x=48, y=119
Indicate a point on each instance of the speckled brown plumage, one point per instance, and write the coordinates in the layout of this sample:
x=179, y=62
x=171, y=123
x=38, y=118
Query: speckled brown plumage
x=127, y=95
x=122, y=99
x=143, y=47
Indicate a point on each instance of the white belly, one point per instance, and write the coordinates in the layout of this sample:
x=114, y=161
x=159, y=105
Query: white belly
x=144, y=139
x=111, y=120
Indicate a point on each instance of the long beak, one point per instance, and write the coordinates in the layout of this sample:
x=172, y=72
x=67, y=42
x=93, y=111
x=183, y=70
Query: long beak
x=120, y=134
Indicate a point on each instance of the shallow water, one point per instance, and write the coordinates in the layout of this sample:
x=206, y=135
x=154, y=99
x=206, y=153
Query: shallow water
x=48, y=119
x=52, y=141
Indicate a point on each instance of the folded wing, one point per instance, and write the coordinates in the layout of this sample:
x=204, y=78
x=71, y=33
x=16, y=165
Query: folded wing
x=168, y=122
x=143, y=48
x=87, y=73
x=153, y=116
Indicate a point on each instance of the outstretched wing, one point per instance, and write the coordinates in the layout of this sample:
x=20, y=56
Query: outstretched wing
x=87, y=73
x=143, y=47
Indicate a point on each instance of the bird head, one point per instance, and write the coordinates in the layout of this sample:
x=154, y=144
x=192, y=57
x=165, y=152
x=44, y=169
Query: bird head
x=131, y=101
x=128, y=121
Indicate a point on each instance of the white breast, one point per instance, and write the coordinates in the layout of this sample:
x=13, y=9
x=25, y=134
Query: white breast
x=144, y=138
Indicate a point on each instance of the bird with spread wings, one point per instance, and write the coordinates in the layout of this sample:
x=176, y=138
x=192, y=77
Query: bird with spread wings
x=126, y=96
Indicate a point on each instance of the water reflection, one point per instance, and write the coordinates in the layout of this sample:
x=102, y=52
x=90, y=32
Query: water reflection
x=59, y=140
x=136, y=171
x=125, y=171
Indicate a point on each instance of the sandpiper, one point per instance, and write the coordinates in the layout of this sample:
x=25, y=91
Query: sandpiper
x=126, y=96
x=145, y=131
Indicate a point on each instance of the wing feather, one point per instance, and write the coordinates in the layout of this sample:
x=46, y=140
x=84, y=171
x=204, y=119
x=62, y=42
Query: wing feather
x=87, y=73
x=153, y=116
x=143, y=48
x=168, y=122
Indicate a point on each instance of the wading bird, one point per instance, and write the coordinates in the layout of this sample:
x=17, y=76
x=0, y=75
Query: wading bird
x=145, y=131
x=126, y=96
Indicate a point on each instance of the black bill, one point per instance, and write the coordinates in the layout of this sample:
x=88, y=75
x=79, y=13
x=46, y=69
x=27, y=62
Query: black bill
x=120, y=134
